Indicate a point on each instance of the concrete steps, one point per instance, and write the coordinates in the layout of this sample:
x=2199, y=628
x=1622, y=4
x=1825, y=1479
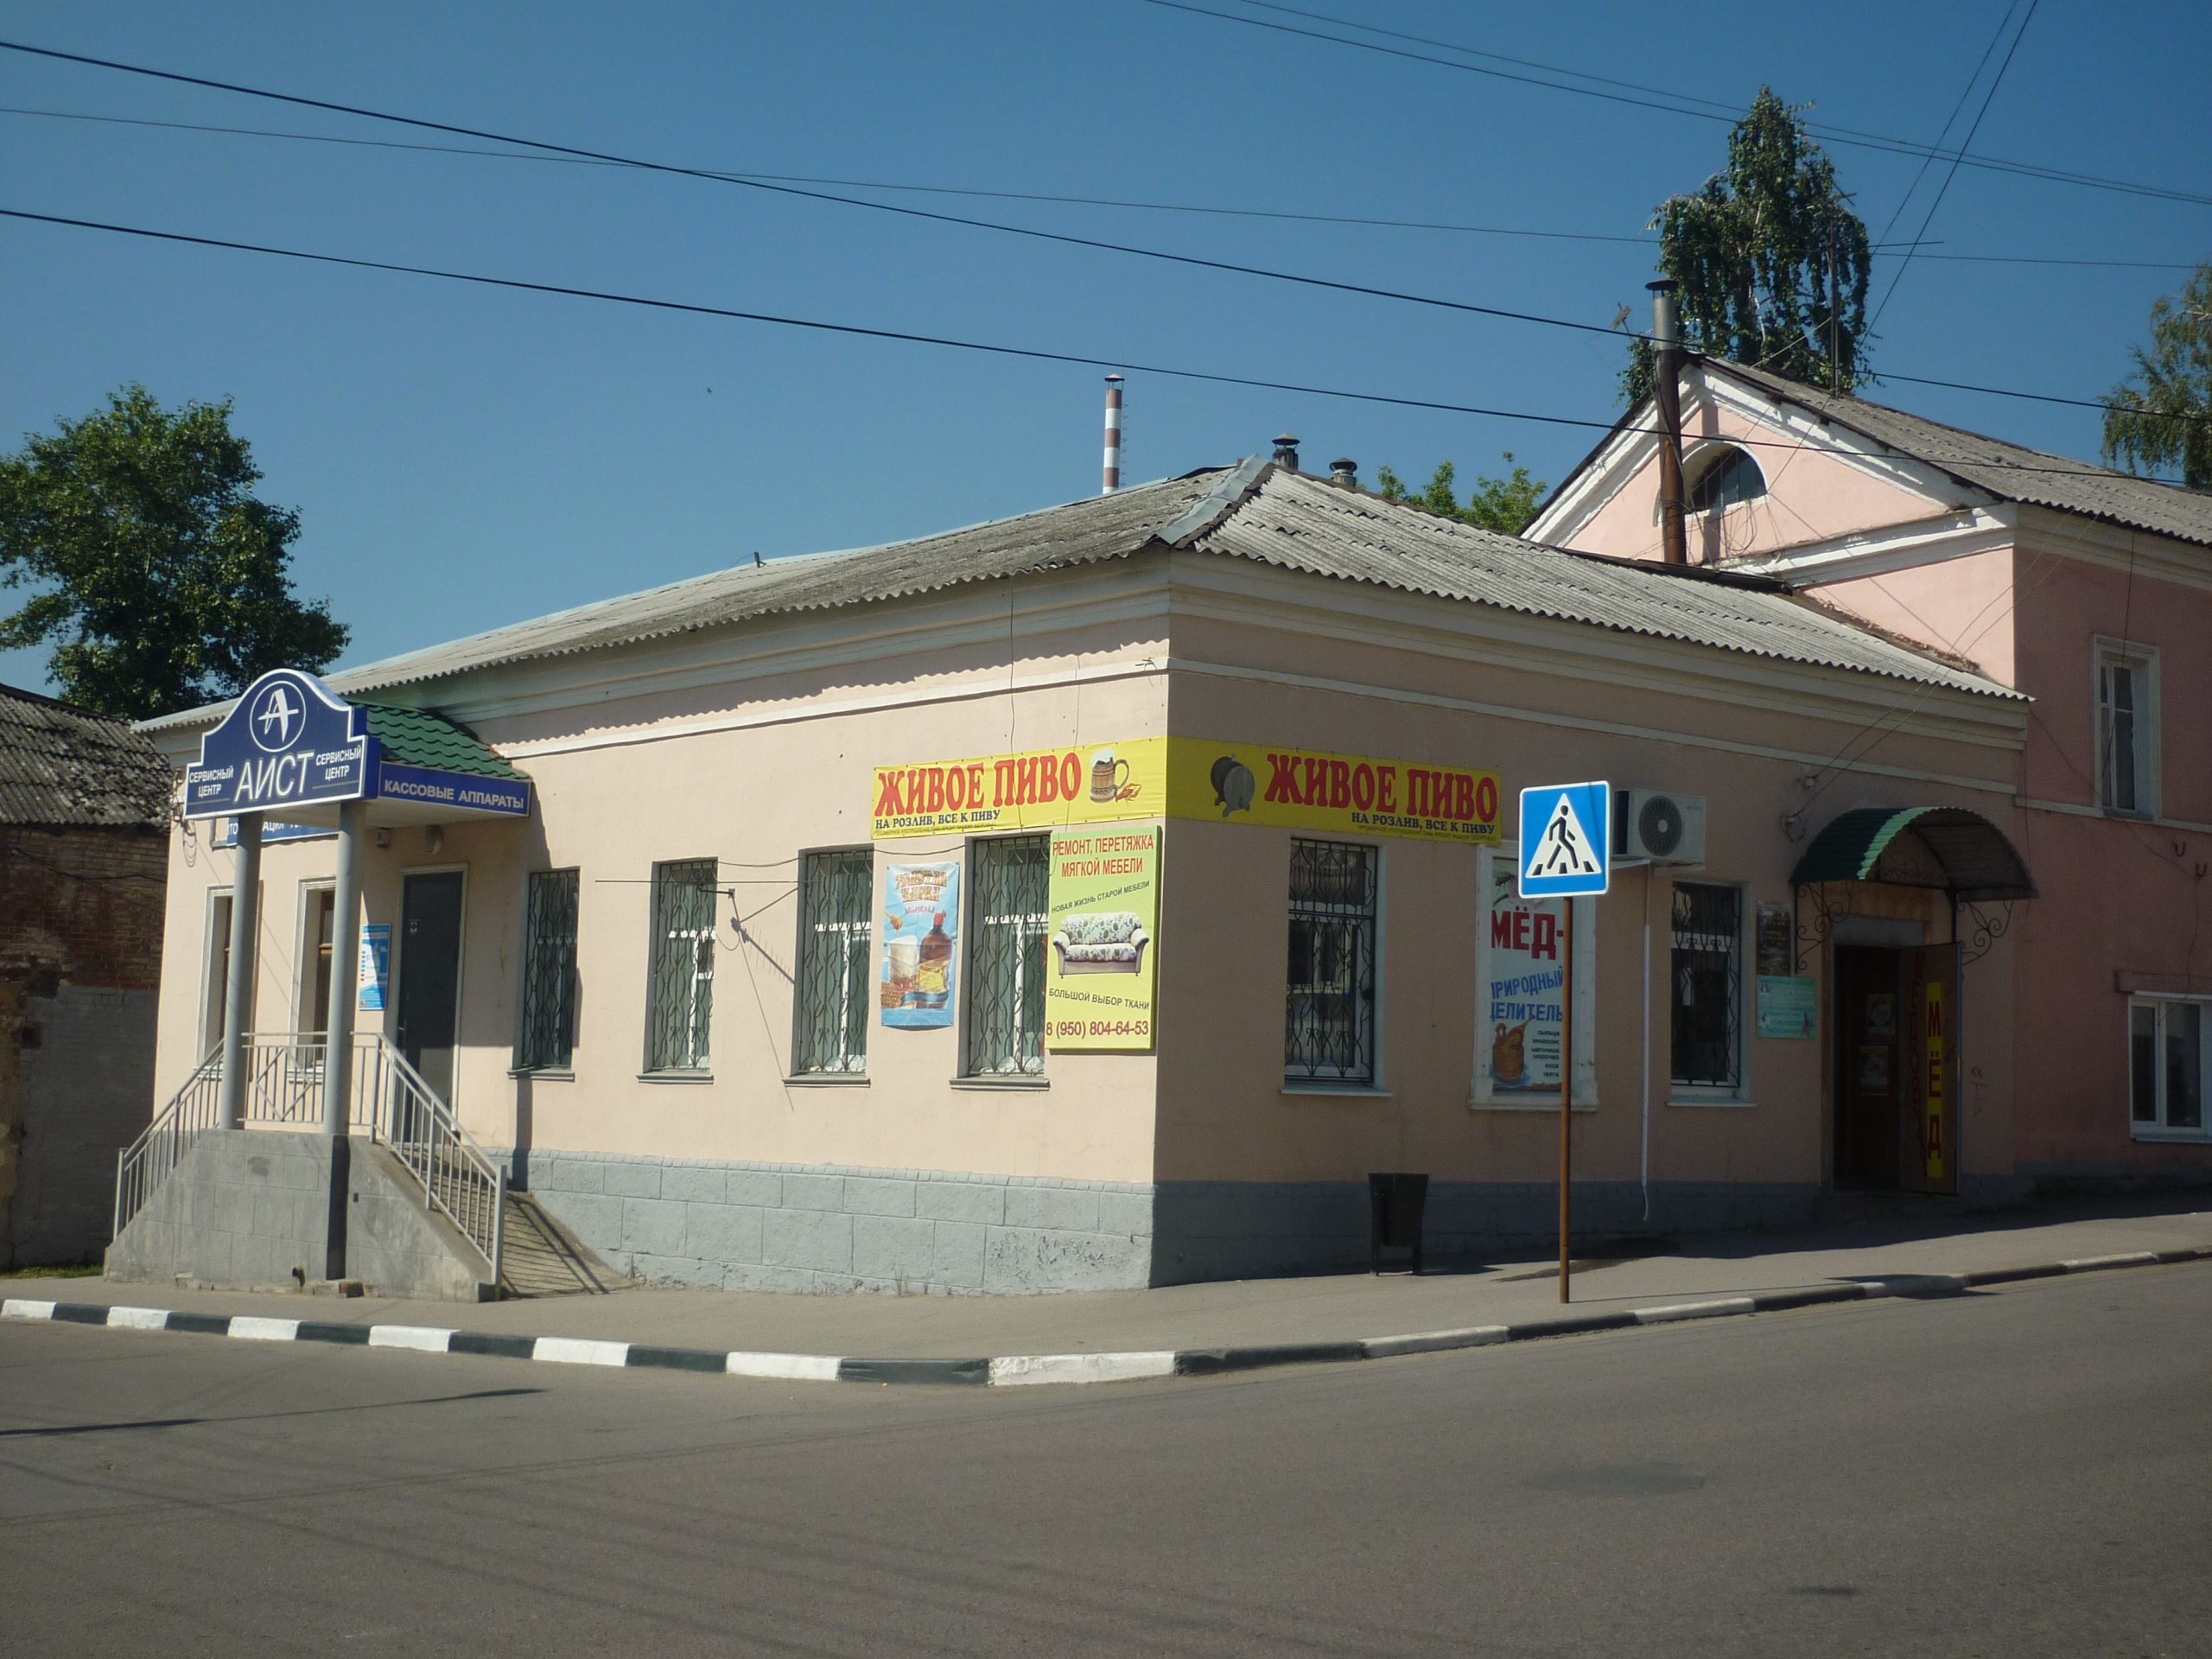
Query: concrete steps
x=539, y=1257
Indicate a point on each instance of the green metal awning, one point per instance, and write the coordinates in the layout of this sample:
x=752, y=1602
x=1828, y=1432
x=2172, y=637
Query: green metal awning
x=1948, y=848
x=417, y=737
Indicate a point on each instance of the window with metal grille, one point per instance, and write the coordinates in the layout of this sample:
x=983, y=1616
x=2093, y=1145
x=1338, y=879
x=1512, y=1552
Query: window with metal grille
x=1708, y=995
x=680, y=990
x=1329, y=999
x=545, y=1031
x=836, y=925
x=1006, y=909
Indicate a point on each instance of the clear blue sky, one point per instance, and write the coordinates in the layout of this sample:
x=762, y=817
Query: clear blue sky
x=465, y=457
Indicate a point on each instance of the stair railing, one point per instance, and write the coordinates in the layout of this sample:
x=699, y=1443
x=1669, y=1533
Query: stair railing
x=390, y=1101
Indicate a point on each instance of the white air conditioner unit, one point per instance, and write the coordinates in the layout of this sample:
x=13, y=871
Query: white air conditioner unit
x=1660, y=825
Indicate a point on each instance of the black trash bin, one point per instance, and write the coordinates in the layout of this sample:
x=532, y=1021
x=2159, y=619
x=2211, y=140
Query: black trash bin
x=1396, y=1204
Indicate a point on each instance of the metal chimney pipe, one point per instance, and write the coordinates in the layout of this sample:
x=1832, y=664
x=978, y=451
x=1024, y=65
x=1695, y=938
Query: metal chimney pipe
x=1343, y=473
x=1666, y=337
x=1287, y=451
x=1113, y=474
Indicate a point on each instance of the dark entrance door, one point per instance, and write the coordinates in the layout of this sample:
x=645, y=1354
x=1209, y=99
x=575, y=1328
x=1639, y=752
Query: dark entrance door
x=429, y=974
x=1871, y=1028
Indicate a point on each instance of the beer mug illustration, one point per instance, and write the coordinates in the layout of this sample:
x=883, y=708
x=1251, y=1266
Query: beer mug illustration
x=1108, y=776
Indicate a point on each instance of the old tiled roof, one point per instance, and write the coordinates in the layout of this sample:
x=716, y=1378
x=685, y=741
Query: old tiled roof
x=2007, y=471
x=1256, y=511
x=61, y=766
x=417, y=737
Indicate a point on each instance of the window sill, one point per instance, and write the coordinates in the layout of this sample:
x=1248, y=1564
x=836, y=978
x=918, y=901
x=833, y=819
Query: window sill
x=827, y=1080
x=1726, y=1103
x=1334, y=1091
x=676, y=1076
x=543, y=1073
x=1546, y=1107
x=1013, y=1082
x=2151, y=1134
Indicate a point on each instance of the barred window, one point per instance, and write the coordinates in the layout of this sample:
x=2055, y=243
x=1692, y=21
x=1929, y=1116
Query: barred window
x=545, y=1029
x=1006, y=969
x=1708, y=986
x=837, y=915
x=680, y=991
x=1329, y=1001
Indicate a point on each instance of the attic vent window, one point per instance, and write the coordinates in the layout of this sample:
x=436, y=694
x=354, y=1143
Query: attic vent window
x=1729, y=475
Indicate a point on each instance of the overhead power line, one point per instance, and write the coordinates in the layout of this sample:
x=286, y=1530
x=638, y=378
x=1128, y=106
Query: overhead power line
x=1214, y=209
x=821, y=326
x=1849, y=136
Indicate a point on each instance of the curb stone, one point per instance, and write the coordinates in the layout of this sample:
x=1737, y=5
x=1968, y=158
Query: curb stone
x=1020, y=1370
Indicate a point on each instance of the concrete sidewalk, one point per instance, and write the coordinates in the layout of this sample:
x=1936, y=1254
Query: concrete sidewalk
x=1248, y=1314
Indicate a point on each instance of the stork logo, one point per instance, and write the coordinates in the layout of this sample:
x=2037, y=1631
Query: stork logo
x=275, y=718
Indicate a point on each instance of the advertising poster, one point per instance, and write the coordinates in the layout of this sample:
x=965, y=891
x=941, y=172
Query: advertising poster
x=1775, y=931
x=374, y=978
x=1187, y=778
x=1786, y=1006
x=921, y=926
x=1525, y=972
x=1103, y=905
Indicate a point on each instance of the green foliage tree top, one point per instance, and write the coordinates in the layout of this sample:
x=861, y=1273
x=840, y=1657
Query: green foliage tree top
x=2161, y=415
x=1505, y=505
x=160, y=579
x=1771, y=260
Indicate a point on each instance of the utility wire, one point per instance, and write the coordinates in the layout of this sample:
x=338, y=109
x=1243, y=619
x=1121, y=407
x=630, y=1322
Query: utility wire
x=1201, y=208
x=1928, y=218
x=819, y=325
x=1950, y=121
x=1849, y=136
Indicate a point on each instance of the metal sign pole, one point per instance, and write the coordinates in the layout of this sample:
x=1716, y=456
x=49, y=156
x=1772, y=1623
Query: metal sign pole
x=1566, y=1106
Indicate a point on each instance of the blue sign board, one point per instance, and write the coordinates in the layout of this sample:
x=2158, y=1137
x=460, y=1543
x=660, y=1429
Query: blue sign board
x=374, y=977
x=509, y=797
x=1566, y=840
x=287, y=742
x=226, y=832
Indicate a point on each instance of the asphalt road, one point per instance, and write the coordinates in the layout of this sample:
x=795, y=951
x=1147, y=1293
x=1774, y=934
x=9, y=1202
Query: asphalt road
x=2020, y=1472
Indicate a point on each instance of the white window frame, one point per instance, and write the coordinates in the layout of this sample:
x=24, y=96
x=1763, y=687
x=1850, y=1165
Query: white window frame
x=1584, y=911
x=2157, y=1128
x=2143, y=662
x=1699, y=1094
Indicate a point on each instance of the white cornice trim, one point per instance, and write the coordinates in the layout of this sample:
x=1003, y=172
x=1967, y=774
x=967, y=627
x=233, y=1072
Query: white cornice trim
x=1580, y=723
x=1583, y=496
x=2078, y=810
x=1243, y=592
x=1894, y=547
x=2146, y=555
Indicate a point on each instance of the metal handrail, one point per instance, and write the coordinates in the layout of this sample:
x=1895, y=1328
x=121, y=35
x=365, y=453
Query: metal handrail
x=390, y=1101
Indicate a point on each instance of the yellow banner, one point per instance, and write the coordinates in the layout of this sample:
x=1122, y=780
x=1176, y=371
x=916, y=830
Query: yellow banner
x=1188, y=778
x=1097, y=783
x=1314, y=789
x=1104, y=904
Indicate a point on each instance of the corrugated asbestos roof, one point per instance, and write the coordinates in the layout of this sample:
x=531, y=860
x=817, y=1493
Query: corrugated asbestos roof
x=1256, y=511
x=417, y=737
x=2007, y=471
x=64, y=766
x=1304, y=523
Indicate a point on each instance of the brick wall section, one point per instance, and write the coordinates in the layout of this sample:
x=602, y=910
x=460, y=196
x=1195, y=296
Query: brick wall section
x=81, y=963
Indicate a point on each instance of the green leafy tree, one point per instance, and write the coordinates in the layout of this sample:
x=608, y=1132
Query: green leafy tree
x=2161, y=415
x=159, y=578
x=1771, y=260
x=1505, y=505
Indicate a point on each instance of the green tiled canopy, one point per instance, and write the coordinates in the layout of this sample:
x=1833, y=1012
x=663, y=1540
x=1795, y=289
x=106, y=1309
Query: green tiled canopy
x=415, y=737
x=1948, y=847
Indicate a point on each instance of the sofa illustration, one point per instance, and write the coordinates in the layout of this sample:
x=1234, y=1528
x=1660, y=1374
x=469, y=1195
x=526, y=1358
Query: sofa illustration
x=1103, y=942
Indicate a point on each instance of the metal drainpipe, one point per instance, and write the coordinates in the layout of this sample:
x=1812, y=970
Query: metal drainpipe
x=237, y=983
x=1667, y=387
x=1111, y=479
x=345, y=972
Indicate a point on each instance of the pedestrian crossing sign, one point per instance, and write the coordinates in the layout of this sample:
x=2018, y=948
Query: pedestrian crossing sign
x=1566, y=840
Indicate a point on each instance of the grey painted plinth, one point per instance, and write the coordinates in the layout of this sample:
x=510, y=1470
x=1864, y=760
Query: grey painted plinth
x=823, y=1228
x=248, y=1208
x=1254, y=1230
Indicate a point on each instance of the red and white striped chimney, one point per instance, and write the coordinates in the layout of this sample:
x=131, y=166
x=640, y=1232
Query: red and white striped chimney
x=1113, y=474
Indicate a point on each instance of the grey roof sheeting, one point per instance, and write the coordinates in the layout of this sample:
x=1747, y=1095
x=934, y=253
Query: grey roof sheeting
x=2007, y=471
x=61, y=765
x=1256, y=511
